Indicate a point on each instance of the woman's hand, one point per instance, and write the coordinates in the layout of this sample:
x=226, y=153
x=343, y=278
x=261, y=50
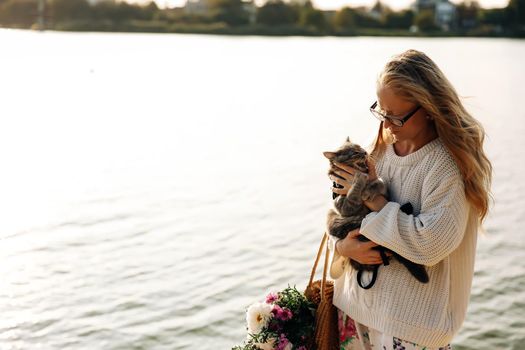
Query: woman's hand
x=361, y=252
x=346, y=174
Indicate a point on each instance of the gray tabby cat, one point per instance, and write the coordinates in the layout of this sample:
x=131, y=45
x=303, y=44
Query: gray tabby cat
x=350, y=209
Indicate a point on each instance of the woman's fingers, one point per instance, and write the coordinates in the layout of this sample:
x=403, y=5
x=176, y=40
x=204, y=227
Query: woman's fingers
x=361, y=252
x=343, y=174
x=335, y=179
x=374, y=257
x=371, y=259
x=346, y=168
x=354, y=233
x=340, y=181
x=370, y=244
x=340, y=191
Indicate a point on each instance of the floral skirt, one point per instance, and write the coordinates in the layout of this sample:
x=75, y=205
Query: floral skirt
x=355, y=336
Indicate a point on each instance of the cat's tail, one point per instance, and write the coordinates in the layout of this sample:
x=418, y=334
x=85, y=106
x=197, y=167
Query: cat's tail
x=339, y=226
x=417, y=270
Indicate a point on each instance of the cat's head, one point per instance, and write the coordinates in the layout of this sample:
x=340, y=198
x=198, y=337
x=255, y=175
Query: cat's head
x=350, y=154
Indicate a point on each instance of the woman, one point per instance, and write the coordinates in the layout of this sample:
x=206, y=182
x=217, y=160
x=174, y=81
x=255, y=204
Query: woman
x=429, y=152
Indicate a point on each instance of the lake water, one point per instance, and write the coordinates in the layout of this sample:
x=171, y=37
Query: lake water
x=153, y=186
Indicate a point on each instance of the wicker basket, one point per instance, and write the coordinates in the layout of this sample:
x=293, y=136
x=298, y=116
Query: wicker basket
x=321, y=293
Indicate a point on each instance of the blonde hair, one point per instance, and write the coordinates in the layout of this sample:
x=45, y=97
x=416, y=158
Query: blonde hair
x=415, y=77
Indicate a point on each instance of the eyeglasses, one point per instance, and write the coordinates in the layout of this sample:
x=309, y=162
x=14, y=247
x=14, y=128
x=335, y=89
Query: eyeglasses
x=396, y=121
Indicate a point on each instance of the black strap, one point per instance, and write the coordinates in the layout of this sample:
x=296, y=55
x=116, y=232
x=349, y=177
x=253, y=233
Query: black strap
x=372, y=282
x=384, y=257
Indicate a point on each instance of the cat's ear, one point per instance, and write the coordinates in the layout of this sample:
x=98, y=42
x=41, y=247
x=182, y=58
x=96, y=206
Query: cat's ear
x=329, y=155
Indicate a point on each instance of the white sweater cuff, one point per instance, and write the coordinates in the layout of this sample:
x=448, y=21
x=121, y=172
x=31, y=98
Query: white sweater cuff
x=369, y=219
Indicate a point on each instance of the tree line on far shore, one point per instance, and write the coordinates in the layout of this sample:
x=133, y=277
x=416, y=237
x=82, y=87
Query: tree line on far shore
x=275, y=17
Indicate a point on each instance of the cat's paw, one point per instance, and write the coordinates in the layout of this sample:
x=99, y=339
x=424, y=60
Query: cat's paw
x=374, y=189
x=366, y=196
x=360, y=177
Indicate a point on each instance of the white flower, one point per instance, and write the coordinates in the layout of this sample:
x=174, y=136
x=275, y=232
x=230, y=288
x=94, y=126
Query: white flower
x=269, y=345
x=257, y=317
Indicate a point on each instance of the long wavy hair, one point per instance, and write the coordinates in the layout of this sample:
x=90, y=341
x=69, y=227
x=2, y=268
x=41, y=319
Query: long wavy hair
x=413, y=76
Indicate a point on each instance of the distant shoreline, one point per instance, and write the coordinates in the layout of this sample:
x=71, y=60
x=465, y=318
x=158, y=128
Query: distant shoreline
x=275, y=18
x=253, y=30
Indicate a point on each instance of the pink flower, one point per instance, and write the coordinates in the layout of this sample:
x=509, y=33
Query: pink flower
x=283, y=314
x=277, y=311
x=288, y=313
x=341, y=326
x=347, y=328
x=271, y=298
x=350, y=327
x=283, y=343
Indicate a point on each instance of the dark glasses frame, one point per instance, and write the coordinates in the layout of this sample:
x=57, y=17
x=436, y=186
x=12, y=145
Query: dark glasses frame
x=396, y=121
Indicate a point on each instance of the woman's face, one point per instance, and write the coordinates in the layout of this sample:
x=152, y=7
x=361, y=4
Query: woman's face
x=396, y=107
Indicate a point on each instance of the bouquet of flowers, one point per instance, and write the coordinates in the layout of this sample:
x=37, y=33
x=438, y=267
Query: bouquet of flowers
x=284, y=321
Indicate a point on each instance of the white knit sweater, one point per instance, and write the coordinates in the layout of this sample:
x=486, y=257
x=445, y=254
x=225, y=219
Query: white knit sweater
x=441, y=234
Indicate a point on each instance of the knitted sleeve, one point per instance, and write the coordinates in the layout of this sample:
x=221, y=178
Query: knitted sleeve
x=432, y=235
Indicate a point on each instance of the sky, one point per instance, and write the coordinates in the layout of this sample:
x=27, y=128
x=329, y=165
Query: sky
x=337, y=4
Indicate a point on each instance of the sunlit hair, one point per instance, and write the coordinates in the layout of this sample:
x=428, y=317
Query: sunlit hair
x=413, y=76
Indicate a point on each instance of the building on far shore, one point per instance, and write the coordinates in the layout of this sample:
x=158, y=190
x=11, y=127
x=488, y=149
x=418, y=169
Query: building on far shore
x=378, y=10
x=202, y=8
x=250, y=8
x=197, y=7
x=445, y=14
x=444, y=11
x=298, y=2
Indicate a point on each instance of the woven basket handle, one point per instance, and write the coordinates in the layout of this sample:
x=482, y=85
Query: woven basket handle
x=312, y=274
